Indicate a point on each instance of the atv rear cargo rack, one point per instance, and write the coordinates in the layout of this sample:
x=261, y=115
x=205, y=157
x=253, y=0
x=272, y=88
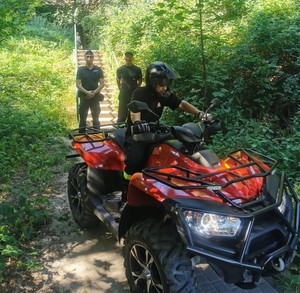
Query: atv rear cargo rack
x=93, y=134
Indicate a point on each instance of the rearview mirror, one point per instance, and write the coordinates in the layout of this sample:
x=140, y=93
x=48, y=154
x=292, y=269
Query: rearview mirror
x=215, y=102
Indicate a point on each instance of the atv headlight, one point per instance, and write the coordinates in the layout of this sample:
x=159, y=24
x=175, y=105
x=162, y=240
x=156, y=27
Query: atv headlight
x=212, y=225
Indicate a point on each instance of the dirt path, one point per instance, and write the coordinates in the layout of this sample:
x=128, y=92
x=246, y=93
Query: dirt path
x=74, y=260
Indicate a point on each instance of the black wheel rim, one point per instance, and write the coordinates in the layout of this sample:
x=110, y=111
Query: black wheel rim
x=144, y=270
x=75, y=196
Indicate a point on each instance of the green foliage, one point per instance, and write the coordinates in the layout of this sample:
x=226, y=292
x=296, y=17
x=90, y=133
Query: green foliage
x=14, y=14
x=37, y=105
x=92, y=28
x=249, y=59
x=58, y=35
x=264, y=64
x=43, y=86
x=56, y=11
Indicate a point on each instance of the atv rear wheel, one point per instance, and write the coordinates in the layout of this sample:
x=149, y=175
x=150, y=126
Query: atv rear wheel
x=80, y=205
x=155, y=259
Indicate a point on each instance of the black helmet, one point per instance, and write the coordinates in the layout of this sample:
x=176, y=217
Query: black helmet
x=158, y=73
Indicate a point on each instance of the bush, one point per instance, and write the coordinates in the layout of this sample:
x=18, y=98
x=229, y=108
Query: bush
x=37, y=105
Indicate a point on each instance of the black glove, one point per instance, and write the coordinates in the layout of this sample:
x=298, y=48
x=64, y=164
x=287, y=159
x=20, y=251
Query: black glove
x=140, y=126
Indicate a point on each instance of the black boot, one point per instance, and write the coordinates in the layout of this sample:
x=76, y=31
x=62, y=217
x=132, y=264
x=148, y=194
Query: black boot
x=124, y=186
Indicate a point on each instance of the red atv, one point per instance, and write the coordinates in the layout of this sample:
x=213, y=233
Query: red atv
x=185, y=207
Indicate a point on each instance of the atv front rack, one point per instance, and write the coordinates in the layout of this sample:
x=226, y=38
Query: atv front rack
x=181, y=178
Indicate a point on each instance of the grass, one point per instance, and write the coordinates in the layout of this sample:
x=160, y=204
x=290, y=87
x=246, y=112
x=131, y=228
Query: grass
x=37, y=105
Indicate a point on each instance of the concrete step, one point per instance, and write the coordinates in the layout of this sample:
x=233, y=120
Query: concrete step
x=107, y=116
x=106, y=103
x=103, y=120
x=107, y=111
x=107, y=91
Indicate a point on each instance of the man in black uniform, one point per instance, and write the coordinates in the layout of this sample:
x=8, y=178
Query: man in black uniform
x=157, y=95
x=129, y=77
x=89, y=82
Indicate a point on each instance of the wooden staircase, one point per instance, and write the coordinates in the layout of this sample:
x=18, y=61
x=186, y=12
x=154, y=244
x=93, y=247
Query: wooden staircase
x=108, y=114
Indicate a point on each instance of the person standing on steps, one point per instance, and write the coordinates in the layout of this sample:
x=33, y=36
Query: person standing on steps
x=89, y=82
x=78, y=41
x=129, y=77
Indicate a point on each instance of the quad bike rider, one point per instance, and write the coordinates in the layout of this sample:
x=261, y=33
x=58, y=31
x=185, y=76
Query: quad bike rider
x=185, y=206
x=157, y=95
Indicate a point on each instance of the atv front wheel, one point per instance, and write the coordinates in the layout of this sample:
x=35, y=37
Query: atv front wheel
x=80, y=205
x=155, y=260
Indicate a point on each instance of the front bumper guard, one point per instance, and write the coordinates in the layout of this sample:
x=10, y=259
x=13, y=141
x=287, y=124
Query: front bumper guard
x=233, y=269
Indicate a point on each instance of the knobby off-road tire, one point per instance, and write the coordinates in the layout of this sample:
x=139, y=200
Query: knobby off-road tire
x=155, y=259
x=79, y=203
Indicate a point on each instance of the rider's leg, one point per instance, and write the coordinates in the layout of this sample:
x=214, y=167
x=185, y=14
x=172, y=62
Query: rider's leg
x=135, y=155
x=125, y=185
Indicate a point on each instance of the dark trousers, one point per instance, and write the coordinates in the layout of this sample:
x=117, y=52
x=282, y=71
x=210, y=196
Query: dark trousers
x=124, y=100
x=84, y=107
x=135, y=155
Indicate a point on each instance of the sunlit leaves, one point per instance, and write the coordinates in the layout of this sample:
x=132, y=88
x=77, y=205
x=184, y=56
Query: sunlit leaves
x=37, y=88
x=13, y=15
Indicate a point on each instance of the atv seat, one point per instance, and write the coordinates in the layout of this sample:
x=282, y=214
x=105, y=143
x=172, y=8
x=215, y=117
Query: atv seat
x=174, y=143
x=205, y=157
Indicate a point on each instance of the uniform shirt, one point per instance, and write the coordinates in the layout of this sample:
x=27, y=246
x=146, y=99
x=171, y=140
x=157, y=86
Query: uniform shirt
x=89, y=78
x=129, y=77
x=155, y=102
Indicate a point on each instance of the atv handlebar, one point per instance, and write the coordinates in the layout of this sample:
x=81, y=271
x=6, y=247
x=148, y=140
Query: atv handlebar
x=188, y=133
x=158, y=132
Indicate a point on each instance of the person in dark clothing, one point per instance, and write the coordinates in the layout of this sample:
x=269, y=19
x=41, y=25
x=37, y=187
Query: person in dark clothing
x=89, y=82
x=128, y=77
x=157, y=95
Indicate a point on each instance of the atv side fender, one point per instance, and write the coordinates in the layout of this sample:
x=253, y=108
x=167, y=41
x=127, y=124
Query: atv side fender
x=141, y=192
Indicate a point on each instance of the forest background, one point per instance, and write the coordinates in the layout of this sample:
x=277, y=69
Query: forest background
x=244, y=52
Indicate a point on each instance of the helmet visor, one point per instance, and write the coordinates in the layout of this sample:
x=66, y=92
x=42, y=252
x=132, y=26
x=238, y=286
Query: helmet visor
x=164, y=82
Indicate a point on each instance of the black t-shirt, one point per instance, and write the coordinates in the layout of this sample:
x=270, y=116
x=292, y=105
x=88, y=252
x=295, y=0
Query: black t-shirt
x=129, y=77
x=89, y=78
x=155, y=102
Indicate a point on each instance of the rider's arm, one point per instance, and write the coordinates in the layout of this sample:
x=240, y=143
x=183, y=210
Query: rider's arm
x=187, y=107
x=135, y=116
